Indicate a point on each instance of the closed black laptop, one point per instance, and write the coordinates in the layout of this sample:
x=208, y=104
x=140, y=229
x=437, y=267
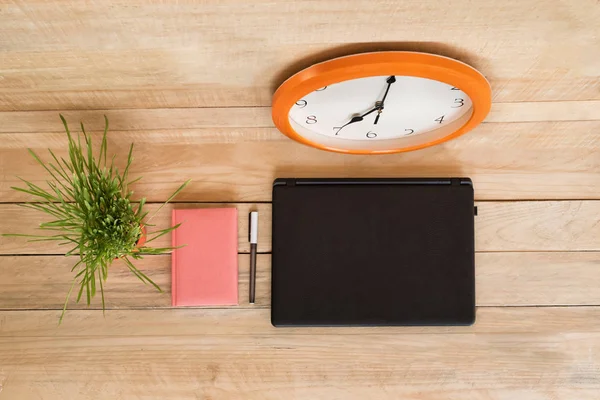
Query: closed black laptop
x=373, y=252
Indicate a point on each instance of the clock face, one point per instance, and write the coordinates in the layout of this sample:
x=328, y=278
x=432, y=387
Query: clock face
x=380, y=112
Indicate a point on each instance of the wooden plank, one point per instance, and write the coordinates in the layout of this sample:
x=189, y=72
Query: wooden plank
x=144, y=119
x=195, y=137
x=503, y=279
x=500, y=226
x=16, y=219
x=542, y=279
x=20, y=289
x=545, y=111
x=187, y=354
x=194, y=323
x=551, y=160
x=255, y=117
x=232, y=53
x=530, y=226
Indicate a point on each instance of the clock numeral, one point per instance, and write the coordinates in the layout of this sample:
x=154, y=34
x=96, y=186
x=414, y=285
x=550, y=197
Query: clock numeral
x=320, y=90
x=301, y=103
x=311, y=119
x=371, y=135
x=408, y=131
x=460, y=102
x=440, y=119
x=455, y=88
x=337, y=129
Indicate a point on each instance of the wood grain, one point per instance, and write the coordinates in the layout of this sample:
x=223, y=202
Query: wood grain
x=230, y=354
x=541, y=160
x=195, y=323
x=18, y=220
x=503, y=279
x=150, y=119
x=148, y=54
x=545, y=111
x=191, y=84
x=531, y=226
x=500, y=226
x=255, y=117
x=21, y=289
x=537, y=279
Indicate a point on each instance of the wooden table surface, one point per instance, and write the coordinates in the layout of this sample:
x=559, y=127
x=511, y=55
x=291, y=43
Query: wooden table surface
x=190, y=84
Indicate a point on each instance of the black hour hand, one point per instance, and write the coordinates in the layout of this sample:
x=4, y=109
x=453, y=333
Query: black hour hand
x=356, y=118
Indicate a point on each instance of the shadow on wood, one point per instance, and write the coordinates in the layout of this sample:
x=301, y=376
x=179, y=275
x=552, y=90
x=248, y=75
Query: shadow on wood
x=441, y=49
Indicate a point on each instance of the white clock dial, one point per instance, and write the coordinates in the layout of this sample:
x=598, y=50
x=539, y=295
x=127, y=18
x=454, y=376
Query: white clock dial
x=372, y=112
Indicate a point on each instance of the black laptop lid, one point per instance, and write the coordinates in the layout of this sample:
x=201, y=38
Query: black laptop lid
x=373, y=252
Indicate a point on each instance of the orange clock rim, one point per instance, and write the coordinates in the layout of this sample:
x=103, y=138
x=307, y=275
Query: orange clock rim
x=422, y=65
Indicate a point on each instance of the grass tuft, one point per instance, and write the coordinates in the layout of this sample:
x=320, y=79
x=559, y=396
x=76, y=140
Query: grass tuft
x=93, y=213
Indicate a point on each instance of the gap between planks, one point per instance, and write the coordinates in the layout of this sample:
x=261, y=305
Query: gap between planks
x=257, y=117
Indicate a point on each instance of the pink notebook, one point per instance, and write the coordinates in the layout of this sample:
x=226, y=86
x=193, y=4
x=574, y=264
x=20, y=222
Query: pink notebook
x=205, y=271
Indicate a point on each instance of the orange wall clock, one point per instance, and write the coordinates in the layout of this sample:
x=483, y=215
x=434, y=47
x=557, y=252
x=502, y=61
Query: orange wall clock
x=382, y=102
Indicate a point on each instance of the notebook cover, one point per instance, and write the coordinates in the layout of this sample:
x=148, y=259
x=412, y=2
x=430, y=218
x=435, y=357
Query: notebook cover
x=205, y=270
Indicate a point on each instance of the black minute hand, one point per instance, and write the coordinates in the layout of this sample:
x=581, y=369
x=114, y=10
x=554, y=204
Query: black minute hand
x=389, y=81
